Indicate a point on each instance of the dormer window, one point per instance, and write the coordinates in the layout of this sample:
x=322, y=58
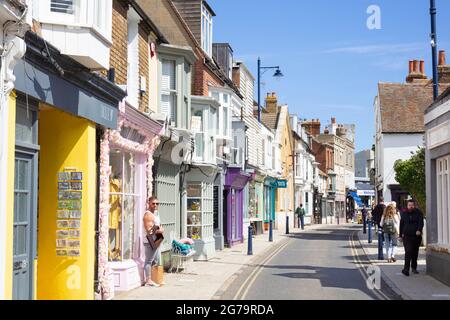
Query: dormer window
x=207, y=30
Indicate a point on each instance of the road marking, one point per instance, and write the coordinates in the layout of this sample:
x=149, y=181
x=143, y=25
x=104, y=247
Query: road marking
x=251, y=279
x=361, y=267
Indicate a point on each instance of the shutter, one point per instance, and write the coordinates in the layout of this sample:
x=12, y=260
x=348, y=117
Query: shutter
x=62, y=6
x=168, y=75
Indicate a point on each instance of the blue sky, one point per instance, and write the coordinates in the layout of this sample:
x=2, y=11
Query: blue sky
x=331, y=61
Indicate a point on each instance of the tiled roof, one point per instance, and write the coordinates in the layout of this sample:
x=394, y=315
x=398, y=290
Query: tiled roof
x=270, y=120
x=402, y=106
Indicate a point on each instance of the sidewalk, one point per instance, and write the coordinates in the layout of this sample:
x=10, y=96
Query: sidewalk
x=203, y=279
x=414, y=287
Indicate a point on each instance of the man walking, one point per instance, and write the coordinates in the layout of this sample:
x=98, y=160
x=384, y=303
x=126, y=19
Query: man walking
x=300, y=212
x=411, y=226
x=378, y=212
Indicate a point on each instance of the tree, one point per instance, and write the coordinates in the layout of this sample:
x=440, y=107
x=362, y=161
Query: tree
x=410, y=174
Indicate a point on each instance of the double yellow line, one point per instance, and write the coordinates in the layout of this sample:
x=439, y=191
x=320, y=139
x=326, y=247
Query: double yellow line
x=362, y=268
x=245, y=287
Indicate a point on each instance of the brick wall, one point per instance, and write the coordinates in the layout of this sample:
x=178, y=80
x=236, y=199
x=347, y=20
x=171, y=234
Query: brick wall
x=144, y=55
x=203, y=77
x=119, y=51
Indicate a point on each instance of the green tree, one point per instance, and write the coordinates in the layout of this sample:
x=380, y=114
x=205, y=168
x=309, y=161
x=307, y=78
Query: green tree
x=410, y=174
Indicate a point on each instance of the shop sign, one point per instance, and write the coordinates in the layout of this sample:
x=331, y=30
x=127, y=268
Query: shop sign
x=281, y=184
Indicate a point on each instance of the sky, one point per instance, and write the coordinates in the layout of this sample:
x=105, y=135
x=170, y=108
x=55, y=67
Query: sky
x=331, y=61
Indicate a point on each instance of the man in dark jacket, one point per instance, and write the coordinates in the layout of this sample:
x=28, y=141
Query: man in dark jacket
x=411, y=226
x=378, y=212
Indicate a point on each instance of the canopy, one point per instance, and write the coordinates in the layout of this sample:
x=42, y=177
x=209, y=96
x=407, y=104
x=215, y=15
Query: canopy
x=355, y=197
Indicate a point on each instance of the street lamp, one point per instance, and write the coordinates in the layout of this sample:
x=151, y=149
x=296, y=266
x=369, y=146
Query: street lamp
x=277, y=74
x=434, y=48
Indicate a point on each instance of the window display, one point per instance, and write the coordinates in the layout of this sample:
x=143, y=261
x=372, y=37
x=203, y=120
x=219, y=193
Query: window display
x=123, y=199
x=200, y=211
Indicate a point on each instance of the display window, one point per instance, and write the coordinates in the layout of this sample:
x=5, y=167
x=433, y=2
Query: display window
x=124, y=197
x=200, y=202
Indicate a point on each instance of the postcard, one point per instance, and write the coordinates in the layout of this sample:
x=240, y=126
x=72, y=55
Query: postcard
x=62, y=223
x=74, y=233
x=61, y=243
x=63, y=176
x=78, y=176
x=62, y=234
x=63, y=214
x=75, y=224
x=61, y=253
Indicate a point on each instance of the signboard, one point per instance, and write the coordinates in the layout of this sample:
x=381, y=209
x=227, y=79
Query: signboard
x=281, y=184
x=366, y=193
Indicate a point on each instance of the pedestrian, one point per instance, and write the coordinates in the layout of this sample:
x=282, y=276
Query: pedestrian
x=364, y=218
x=150, y=252
x=378, y=212
x=300, y=212
x=153, y=204
x=390, y=222
x=411, y=227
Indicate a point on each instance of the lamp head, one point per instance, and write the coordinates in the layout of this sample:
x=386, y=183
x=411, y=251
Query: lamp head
x=278, y=74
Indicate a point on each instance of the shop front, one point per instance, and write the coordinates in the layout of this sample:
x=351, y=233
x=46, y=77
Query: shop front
x=56, y=173
x=200, y=211
x=270, y=187
x=256, y=204
x=126, y=161
x=235, y=182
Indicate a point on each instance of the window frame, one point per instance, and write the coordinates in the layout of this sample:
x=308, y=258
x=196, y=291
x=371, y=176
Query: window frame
x=443, y=201
x=206, y=30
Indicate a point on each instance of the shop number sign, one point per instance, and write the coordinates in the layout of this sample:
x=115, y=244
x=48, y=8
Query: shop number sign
x=68, y=215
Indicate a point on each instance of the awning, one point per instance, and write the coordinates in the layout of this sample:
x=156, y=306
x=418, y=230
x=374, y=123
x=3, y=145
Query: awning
x=356, y=198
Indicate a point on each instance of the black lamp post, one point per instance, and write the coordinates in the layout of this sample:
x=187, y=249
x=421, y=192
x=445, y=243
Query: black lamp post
x=277, y=74
x=434, y=49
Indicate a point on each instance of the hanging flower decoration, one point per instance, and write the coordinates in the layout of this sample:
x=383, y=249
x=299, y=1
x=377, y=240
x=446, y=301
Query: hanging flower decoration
x=113, y=138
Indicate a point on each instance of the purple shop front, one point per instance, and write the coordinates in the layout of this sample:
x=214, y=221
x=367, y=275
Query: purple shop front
x=235, y=182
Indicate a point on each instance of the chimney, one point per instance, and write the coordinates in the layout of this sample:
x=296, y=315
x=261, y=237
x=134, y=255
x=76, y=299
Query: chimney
x=443, y=69
x=272, y=103
x=312, y=127
x=416, y=71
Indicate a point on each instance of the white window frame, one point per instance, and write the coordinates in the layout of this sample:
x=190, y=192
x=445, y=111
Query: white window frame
x=206, y=30
x=87, y=14
x=182, y=111
x=443, y=199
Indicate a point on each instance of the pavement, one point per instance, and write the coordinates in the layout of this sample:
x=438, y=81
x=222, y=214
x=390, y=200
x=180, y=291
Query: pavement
x=414, y=287
x=204, y=280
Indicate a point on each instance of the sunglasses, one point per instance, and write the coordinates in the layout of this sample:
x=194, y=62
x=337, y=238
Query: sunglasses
x=155, y=203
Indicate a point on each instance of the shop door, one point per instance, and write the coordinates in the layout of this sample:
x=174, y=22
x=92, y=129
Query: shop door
x=234, y=213
x=168, y=193
x=24, y=228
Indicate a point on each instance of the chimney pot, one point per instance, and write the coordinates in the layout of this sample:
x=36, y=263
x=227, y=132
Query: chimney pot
x=442, y=59
x=422, y=67
x=416, y=66
x=411, y=66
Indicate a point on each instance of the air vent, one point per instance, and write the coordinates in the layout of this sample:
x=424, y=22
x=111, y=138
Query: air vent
x=62, y=6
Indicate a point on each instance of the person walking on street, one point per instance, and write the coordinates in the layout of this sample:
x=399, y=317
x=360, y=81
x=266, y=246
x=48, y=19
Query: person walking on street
x=390, y=222
x=411, y=227
x=364, y=218
x=300, y=212
x=378, y=212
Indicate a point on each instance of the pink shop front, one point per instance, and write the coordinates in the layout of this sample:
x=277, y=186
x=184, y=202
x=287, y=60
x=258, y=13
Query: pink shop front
x=126, y=160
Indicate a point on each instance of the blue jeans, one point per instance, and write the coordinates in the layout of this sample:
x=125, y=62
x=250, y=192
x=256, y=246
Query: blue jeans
x=390, y=244
x=150, y=260
x=302, y=221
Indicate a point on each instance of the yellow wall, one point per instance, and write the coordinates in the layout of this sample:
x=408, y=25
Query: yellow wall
x=65, y=141
x=287, y=166
x=10, y=198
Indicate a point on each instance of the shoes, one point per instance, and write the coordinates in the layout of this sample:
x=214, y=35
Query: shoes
x=393, y=259
x=152, y=284
x=415, y=271
x=405, y=272
x=389, y=260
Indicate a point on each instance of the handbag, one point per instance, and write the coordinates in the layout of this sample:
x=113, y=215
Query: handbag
x=155, y=243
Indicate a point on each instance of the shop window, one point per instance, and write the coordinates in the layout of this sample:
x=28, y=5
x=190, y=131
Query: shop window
x=124, y=199
x=200, y=211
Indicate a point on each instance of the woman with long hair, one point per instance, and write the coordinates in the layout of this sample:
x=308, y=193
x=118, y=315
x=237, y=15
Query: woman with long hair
x=390, y=222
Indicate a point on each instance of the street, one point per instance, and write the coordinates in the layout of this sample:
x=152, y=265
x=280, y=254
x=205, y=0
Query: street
x=321, y=264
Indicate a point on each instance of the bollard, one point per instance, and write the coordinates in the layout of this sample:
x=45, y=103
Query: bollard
x=287, y=224
x=369, y=235
x=380, y=244
x=250, y=241
x=270, y=231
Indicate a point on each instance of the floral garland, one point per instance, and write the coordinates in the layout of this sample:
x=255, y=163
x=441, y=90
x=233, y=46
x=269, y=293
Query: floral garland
x=113, y=138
